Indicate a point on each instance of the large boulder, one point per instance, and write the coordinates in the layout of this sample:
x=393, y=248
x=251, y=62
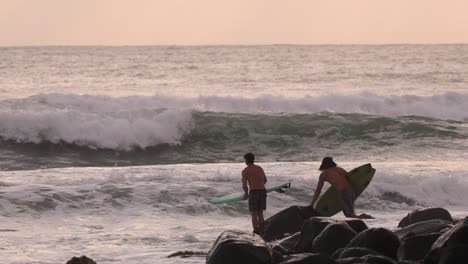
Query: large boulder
x=310, y=229
x=425, y=215
x=288, y=221
x=232, y=247
x=381, y=240
x=307, y=258
x=416, y=247
x=424, y=227
x=81, y=260
x=332, y=238
x=449, y=244
x=313, y=226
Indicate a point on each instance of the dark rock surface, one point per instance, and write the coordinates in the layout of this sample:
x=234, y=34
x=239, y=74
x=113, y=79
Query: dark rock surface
x=449, y=244
x=381, y=240
x=332, y=238
x=368, y=259
x=308, y=258
x=81, y=260
x=356, y=252
x=232, y=247
x=425, y=215
x=424, y=227
x=314, y=225
x=416, y=247
x=288, y=221
x=286, y=246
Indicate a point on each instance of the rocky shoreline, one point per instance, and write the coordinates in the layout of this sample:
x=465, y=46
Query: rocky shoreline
x=299, y=235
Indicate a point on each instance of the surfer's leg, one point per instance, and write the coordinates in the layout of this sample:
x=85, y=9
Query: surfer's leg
x=347, y=202
x=254, y=219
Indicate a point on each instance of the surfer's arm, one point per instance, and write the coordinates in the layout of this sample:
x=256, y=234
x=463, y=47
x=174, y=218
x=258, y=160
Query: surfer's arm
x=318, y=189
x=244, y=186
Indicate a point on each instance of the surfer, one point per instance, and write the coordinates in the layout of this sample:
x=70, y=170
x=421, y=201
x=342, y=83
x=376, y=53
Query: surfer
x=254, y=176
x=338, y=178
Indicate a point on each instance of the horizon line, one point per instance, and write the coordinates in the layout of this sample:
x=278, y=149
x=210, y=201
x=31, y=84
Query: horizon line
x=233, y=45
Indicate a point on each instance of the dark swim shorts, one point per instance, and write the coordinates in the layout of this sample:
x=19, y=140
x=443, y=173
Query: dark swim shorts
x=347, y=201
x=257, y=200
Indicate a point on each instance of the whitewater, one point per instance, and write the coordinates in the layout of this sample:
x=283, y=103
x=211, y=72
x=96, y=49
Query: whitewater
x=113, y=152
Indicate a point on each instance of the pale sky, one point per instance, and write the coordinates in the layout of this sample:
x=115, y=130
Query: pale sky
x=199, y=22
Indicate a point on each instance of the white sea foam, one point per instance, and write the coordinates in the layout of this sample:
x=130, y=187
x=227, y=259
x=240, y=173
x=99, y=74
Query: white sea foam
x=143, y=214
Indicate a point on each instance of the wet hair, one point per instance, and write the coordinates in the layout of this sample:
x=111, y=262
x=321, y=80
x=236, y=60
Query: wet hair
x=249, y=158
x=327, y=163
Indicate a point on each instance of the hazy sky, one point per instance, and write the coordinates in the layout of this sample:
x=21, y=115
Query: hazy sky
x=147, y=22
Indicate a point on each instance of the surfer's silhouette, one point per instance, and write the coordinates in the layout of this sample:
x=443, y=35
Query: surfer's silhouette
x=338, y=178
x=253, y=178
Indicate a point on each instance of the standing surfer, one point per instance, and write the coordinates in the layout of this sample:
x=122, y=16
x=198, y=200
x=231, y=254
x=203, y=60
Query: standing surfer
x=254, y=176
x=338, y=179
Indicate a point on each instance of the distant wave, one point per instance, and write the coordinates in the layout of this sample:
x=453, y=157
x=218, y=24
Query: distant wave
x=127, y=123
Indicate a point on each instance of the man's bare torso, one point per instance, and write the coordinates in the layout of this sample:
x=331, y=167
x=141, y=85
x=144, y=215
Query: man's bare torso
x=336, y=176
x=255, y=176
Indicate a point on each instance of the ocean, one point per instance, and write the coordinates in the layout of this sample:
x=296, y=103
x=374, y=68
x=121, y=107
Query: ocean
x=113, y=152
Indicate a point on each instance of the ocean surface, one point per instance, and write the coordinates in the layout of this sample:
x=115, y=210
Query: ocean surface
x=113, y=152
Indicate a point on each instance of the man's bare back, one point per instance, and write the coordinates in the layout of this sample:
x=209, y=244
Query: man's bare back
x=336, y=176
x=255, y=176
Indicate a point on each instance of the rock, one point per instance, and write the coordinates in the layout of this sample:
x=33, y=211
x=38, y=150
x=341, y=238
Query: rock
x=357, y=225
x=425, y=215
x=81, y=260
x=381, y=240
x=356, y=252
x=368, y=259
x=288, y=221
x=454, y=255
x=313, y=226
x=416, y=247
x=424, y=227
x=449, y=243
x=286, y=246
x=332, y=238
x=307, y=258
x=232, y=247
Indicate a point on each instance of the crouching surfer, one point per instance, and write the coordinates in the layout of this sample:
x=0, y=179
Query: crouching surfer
x=253, y=178
x=337, y=177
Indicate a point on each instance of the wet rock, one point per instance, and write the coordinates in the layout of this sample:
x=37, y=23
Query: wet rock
x=288, y=221
x=81, y=260
x=357, y=225
x=454, y=255
x=232, y=247
x=425, y=215
x=286, y=246
x=313, y=226
x=356, y=252
x=449, y=244
x=416, y=247
x=332, y=238
x=424, y=227
x=307, y=258
x=381, y=240
x=368, y=259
